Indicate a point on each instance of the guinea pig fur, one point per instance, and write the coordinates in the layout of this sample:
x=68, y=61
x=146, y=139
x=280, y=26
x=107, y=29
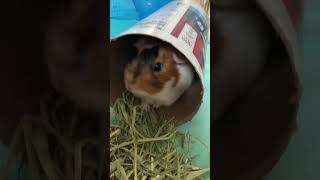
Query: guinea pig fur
x=159, y=74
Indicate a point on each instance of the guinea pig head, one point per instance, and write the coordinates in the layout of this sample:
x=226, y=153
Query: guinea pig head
x=151, y=69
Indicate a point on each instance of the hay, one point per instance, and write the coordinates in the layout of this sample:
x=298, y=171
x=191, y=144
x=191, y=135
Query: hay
x=46, y=145
x=146, y=145
x=143, y=145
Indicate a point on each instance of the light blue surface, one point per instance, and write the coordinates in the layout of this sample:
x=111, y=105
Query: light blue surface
x=199, y=127
x=123, y=9
x=146, y=7
x=134, y=9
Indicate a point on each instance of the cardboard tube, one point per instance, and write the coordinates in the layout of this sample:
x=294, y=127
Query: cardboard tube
x=185, y=26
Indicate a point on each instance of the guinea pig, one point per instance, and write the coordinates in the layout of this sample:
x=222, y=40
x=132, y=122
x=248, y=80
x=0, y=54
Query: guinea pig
x=76, y=54
x=158, y=74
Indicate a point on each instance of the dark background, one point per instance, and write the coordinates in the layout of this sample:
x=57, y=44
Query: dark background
x=302, y=158
x=23, y=71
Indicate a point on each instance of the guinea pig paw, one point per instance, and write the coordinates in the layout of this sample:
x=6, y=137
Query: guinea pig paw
x=156, y=106
x=145, y=106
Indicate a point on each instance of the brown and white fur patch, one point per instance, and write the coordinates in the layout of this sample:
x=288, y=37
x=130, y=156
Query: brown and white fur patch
x=169, y=85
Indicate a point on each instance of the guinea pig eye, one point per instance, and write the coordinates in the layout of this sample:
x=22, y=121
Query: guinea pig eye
x=157, y=67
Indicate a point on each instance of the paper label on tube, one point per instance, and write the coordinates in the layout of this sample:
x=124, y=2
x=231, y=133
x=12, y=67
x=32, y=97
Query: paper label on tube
x=188, y=35
x=194, y=29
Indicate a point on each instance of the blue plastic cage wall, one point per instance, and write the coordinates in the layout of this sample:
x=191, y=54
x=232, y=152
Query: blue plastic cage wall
x=123, y=9
x=134, y=9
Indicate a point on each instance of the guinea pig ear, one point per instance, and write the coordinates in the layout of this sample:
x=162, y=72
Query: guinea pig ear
x=143, y=43
x=178, y=59
x=138, y=45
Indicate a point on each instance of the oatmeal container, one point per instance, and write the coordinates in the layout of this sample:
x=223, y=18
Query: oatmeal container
x=184, y=25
